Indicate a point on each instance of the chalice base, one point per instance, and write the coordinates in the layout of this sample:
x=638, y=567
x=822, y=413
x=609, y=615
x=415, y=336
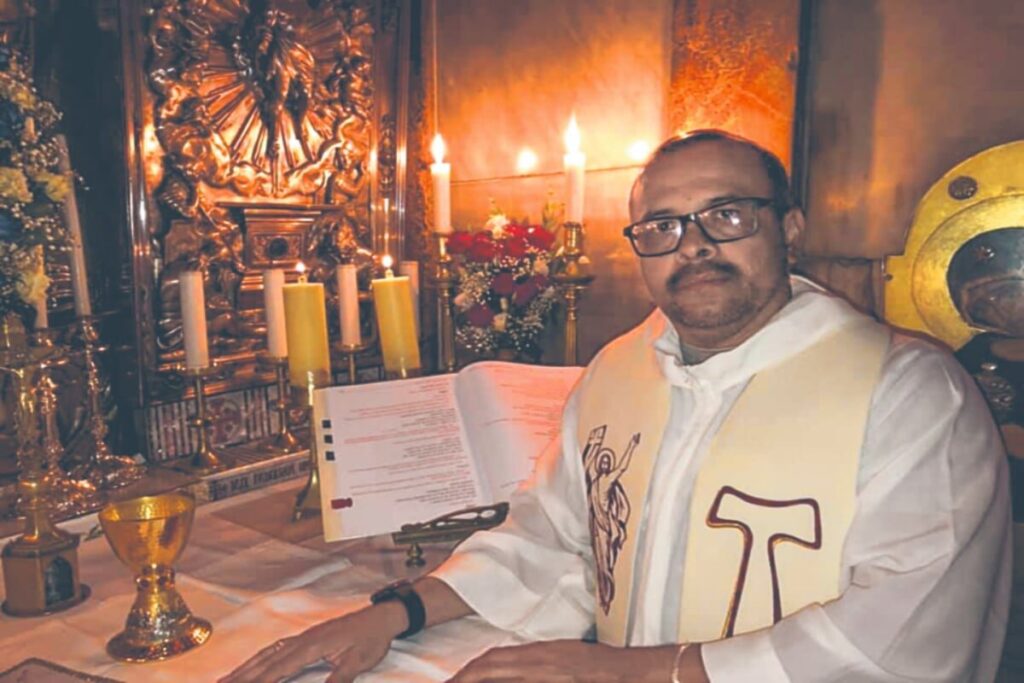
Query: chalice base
x=192, y=632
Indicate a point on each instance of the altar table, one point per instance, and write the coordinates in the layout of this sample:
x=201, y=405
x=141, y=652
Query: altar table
x=256, y=577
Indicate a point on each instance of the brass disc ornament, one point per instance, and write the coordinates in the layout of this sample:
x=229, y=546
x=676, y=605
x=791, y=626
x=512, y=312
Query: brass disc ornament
x=962, y=247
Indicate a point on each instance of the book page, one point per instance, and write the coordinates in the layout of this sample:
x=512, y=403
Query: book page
x=391, y=453
x=511, y=411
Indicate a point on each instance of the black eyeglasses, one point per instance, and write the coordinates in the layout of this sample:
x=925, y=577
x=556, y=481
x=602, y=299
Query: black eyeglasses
x=725, y=221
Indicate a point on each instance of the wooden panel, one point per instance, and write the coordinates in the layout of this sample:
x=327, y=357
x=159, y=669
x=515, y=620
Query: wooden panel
x=899, y=93
x=734, y=67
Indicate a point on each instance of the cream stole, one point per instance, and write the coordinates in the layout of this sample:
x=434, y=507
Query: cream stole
x=772, y=502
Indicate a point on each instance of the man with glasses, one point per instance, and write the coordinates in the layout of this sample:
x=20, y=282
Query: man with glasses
x=758, y=483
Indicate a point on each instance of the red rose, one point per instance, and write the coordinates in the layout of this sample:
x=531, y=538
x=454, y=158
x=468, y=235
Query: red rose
x=524, y=293
x=528, y=289
x=539, y=237
x=480, y=316
x=459, y=242
x=483, y=248
x=516, y=247
x=516, y=230
x=503, y=284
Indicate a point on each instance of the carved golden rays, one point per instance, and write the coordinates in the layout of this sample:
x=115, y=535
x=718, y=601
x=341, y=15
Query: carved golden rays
x=267, y=98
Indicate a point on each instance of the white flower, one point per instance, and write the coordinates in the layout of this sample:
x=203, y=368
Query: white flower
x=32, y=285
x=500, y=322
x=496, y=224
x=540, y=267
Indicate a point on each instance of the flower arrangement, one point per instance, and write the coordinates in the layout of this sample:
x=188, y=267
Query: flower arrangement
x=31, y=187
x=504, y=295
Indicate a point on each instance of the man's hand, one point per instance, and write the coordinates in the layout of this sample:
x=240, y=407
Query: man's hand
x=570, y=661
x=350, y=644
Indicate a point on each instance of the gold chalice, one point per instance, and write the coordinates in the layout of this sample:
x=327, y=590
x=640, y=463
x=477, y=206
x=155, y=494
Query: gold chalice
x=148, y=534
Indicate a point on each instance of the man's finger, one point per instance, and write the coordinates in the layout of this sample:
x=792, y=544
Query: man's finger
x=279, y=660
x=255, y=663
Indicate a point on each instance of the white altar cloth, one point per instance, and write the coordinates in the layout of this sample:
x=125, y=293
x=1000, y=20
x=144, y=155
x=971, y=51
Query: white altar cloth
x=256, y=578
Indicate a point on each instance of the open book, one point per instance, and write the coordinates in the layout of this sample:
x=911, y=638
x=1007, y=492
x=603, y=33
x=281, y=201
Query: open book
x=394, y=453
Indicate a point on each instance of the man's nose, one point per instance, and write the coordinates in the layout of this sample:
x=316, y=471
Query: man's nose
x=695, y=245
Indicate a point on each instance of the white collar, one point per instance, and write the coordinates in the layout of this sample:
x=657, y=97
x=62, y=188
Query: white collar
x=810, y=315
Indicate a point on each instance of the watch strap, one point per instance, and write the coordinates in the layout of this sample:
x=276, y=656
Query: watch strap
x=403, y=592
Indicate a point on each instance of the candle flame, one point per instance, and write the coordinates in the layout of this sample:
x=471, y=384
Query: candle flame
x=572, y=136
x=437, y=148
x=387, y=261
x=526, y=161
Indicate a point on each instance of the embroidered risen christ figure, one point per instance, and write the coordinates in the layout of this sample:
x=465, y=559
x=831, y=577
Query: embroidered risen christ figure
x=609, y=507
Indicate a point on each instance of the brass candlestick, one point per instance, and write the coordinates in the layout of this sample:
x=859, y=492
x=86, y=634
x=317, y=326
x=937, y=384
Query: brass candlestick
x=104, y=469
x=284, y=440
x=205, y=459
x=349, y=352
x=40, y=567
x=67, y=497
x=444, y=280
x=572, y=279
x=308, y=500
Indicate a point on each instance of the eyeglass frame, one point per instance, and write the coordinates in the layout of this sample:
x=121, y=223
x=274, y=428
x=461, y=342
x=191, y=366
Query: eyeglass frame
x=694, y=217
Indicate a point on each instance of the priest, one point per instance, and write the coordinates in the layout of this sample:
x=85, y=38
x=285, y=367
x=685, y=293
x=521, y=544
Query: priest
x=758, y=483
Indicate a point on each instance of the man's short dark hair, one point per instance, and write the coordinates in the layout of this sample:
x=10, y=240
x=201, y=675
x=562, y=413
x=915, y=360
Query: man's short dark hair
x=782, y=197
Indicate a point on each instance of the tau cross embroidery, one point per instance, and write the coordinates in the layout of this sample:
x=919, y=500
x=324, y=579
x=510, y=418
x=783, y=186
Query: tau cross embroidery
x=795, y=521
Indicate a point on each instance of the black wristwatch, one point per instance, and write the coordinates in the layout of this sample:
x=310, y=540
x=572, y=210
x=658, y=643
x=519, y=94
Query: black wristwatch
x=403, y=592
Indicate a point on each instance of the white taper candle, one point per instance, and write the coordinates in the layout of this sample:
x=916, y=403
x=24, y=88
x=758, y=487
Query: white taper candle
x=79, y=277
x=273, y=302
x=193, y=319
x=441, y=174
x=348, y=304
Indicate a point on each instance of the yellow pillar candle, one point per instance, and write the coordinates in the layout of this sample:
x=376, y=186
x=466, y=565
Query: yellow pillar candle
x=306, y=326
x=392, y=299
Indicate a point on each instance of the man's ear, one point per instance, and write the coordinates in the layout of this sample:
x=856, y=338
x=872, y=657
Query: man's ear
x=793, y=227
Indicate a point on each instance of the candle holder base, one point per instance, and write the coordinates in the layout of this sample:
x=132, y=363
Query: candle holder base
x=206, y=459
x=107, y=471
x=104, y=470
x=204, y=463
x=68, y=497
x=307, y=502
x=284, y=441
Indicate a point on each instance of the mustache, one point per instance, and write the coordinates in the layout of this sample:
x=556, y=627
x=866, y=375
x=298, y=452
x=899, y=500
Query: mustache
x=678, y=279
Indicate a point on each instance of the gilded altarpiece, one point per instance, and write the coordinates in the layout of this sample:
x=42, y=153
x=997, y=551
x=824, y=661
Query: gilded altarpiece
x=254, y=130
